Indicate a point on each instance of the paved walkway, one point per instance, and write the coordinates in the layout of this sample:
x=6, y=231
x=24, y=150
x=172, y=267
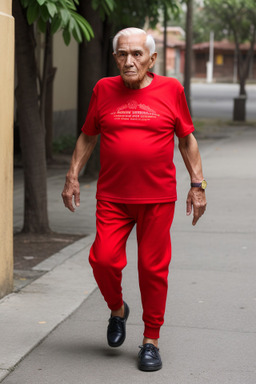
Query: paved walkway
x=54, y=330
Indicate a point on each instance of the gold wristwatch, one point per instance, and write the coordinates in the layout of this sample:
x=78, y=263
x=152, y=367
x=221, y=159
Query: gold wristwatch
x=202, y=185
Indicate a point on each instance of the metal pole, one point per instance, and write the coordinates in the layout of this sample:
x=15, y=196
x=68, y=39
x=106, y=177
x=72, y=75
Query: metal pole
x=211, y=51
x=210, y=63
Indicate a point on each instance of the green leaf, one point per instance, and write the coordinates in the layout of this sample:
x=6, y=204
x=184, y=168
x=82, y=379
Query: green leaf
x=55, y=25
x=84, y=31
x=106, y=7
x=88, y=31
x=88, y=27
x=65, y=15
x=44, y=13
x=52, y=9
x=32, y=12
x=24, y=3
x=66, y=36
x=41, y=2
x=110, y=4
x=62, y=3
x=77, y=33
x=71, y=24
x=95, y=4
x=41, y=25
x=69, y=4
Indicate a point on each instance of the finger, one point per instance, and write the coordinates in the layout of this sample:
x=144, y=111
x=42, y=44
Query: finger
x=198, y=212
x=195, y=220
x=69, y=205
x=77, y=199
x=67, y=200
x=189, y=206
x=195, y=215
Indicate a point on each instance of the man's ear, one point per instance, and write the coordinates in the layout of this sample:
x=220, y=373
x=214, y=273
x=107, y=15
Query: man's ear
x=153, y=60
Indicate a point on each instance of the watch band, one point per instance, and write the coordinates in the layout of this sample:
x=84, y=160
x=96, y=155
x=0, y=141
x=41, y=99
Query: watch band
x=202, y=185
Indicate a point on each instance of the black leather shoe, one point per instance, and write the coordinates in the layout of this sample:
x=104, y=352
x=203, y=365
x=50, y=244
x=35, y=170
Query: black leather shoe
x=116, y=332
x=149, y=358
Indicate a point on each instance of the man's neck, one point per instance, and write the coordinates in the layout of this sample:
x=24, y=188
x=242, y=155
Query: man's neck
x=145, y=82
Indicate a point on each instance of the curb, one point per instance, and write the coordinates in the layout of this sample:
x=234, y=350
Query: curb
x=30, y=315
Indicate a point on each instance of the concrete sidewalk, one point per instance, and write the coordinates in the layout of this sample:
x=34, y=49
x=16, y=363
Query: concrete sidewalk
x=55, y=328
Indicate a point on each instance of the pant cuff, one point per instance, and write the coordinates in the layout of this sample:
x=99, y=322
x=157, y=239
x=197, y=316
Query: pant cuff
x=116, y=306
x=151, y=333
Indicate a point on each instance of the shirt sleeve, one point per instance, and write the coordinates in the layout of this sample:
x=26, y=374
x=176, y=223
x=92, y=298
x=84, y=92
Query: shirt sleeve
x=91, y=125
x=184, y=124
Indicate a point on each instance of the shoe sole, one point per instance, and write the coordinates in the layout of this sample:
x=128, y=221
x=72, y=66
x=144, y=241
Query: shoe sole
x=149, y=369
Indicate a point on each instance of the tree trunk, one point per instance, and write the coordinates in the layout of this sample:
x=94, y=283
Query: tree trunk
x=242, y=90
x=31, y=131
x=188, y=55
x=90, y=70
x=109, y=65
x=239, y=111
x=246, y=64
x=48, y=104
x=241, y=71
x=90, y=62
x=49, y=115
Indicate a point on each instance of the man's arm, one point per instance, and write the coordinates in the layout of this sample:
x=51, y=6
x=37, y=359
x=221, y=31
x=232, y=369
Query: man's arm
x=83, y=150
x=196, y=199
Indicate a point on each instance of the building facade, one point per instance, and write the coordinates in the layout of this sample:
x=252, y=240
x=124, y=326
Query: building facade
x=224, y=63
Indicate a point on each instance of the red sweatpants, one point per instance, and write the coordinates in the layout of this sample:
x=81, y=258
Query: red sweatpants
x=114, y=222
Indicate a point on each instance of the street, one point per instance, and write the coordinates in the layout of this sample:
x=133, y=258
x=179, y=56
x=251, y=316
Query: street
x=216, y=100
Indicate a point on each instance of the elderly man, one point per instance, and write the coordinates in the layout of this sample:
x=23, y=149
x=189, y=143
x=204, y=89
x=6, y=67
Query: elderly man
x=137, y=115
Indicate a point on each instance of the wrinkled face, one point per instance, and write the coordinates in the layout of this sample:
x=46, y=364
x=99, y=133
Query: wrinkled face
x=133, y=60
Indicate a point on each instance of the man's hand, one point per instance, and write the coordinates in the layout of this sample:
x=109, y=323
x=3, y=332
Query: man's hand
x=83, y=150
x=71, y=188
x=196, y=201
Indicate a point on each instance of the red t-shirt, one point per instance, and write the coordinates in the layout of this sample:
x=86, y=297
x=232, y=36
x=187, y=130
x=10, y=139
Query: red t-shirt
x=137, y=129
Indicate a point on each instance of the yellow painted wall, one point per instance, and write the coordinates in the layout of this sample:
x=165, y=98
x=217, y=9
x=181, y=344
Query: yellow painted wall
x=6, y=7
x=6, y=146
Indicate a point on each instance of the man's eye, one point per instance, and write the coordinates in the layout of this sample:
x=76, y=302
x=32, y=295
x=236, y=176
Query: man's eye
x=137, y=54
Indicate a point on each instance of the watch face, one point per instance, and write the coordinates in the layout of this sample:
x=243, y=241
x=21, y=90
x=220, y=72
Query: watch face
x=204, y=184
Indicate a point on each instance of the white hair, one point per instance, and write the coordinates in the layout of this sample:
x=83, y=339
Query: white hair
x=150, y=42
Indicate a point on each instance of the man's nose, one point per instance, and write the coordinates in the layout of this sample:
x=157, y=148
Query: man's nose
x=129, y=60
